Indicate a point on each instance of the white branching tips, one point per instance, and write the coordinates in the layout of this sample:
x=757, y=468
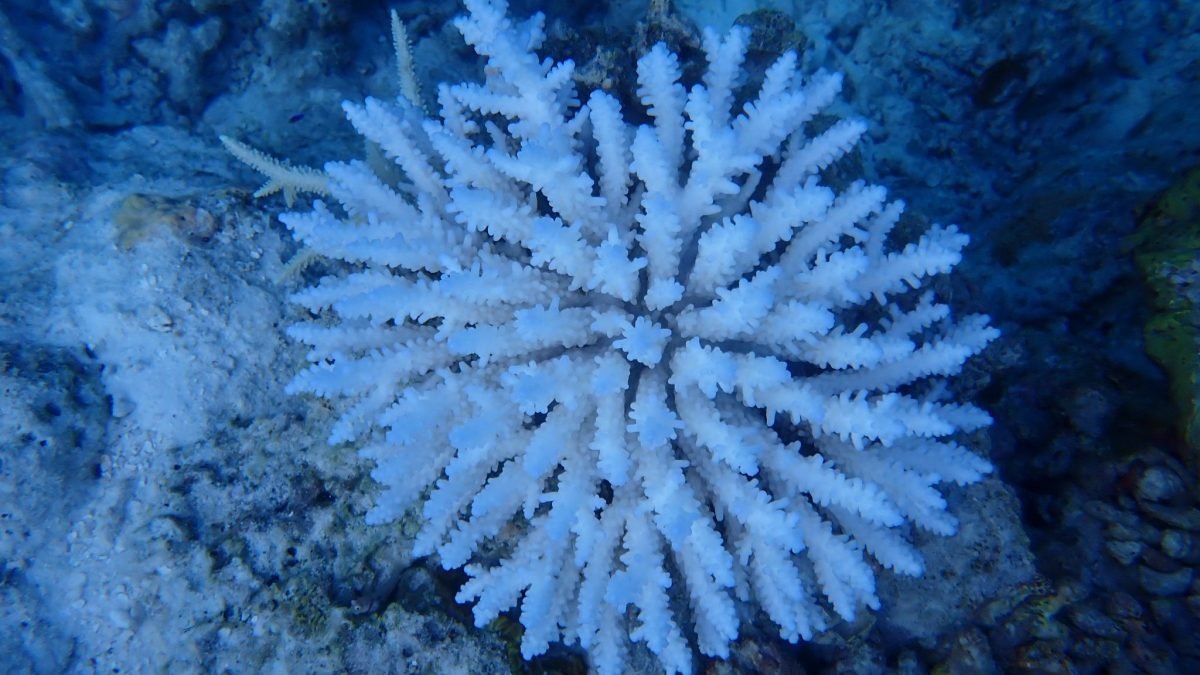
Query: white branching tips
x=687, y=370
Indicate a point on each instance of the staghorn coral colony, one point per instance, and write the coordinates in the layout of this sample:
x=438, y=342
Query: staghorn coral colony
x=669, y=351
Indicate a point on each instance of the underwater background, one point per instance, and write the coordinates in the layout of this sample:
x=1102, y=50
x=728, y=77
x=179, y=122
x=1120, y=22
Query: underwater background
x=165, y=506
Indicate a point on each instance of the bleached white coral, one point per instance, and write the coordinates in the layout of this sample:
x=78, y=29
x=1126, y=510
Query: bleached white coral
x=678, y=360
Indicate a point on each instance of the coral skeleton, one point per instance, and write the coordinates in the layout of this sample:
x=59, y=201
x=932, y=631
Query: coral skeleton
x=636, y=375
x=281, y=176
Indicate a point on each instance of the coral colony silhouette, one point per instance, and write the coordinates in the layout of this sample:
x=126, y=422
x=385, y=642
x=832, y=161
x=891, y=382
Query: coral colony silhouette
x=636, y=343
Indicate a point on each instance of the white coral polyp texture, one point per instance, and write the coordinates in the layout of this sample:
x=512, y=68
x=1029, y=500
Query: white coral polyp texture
x=664, y=367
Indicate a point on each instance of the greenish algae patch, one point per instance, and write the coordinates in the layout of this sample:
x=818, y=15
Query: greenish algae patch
x=1166, y=249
